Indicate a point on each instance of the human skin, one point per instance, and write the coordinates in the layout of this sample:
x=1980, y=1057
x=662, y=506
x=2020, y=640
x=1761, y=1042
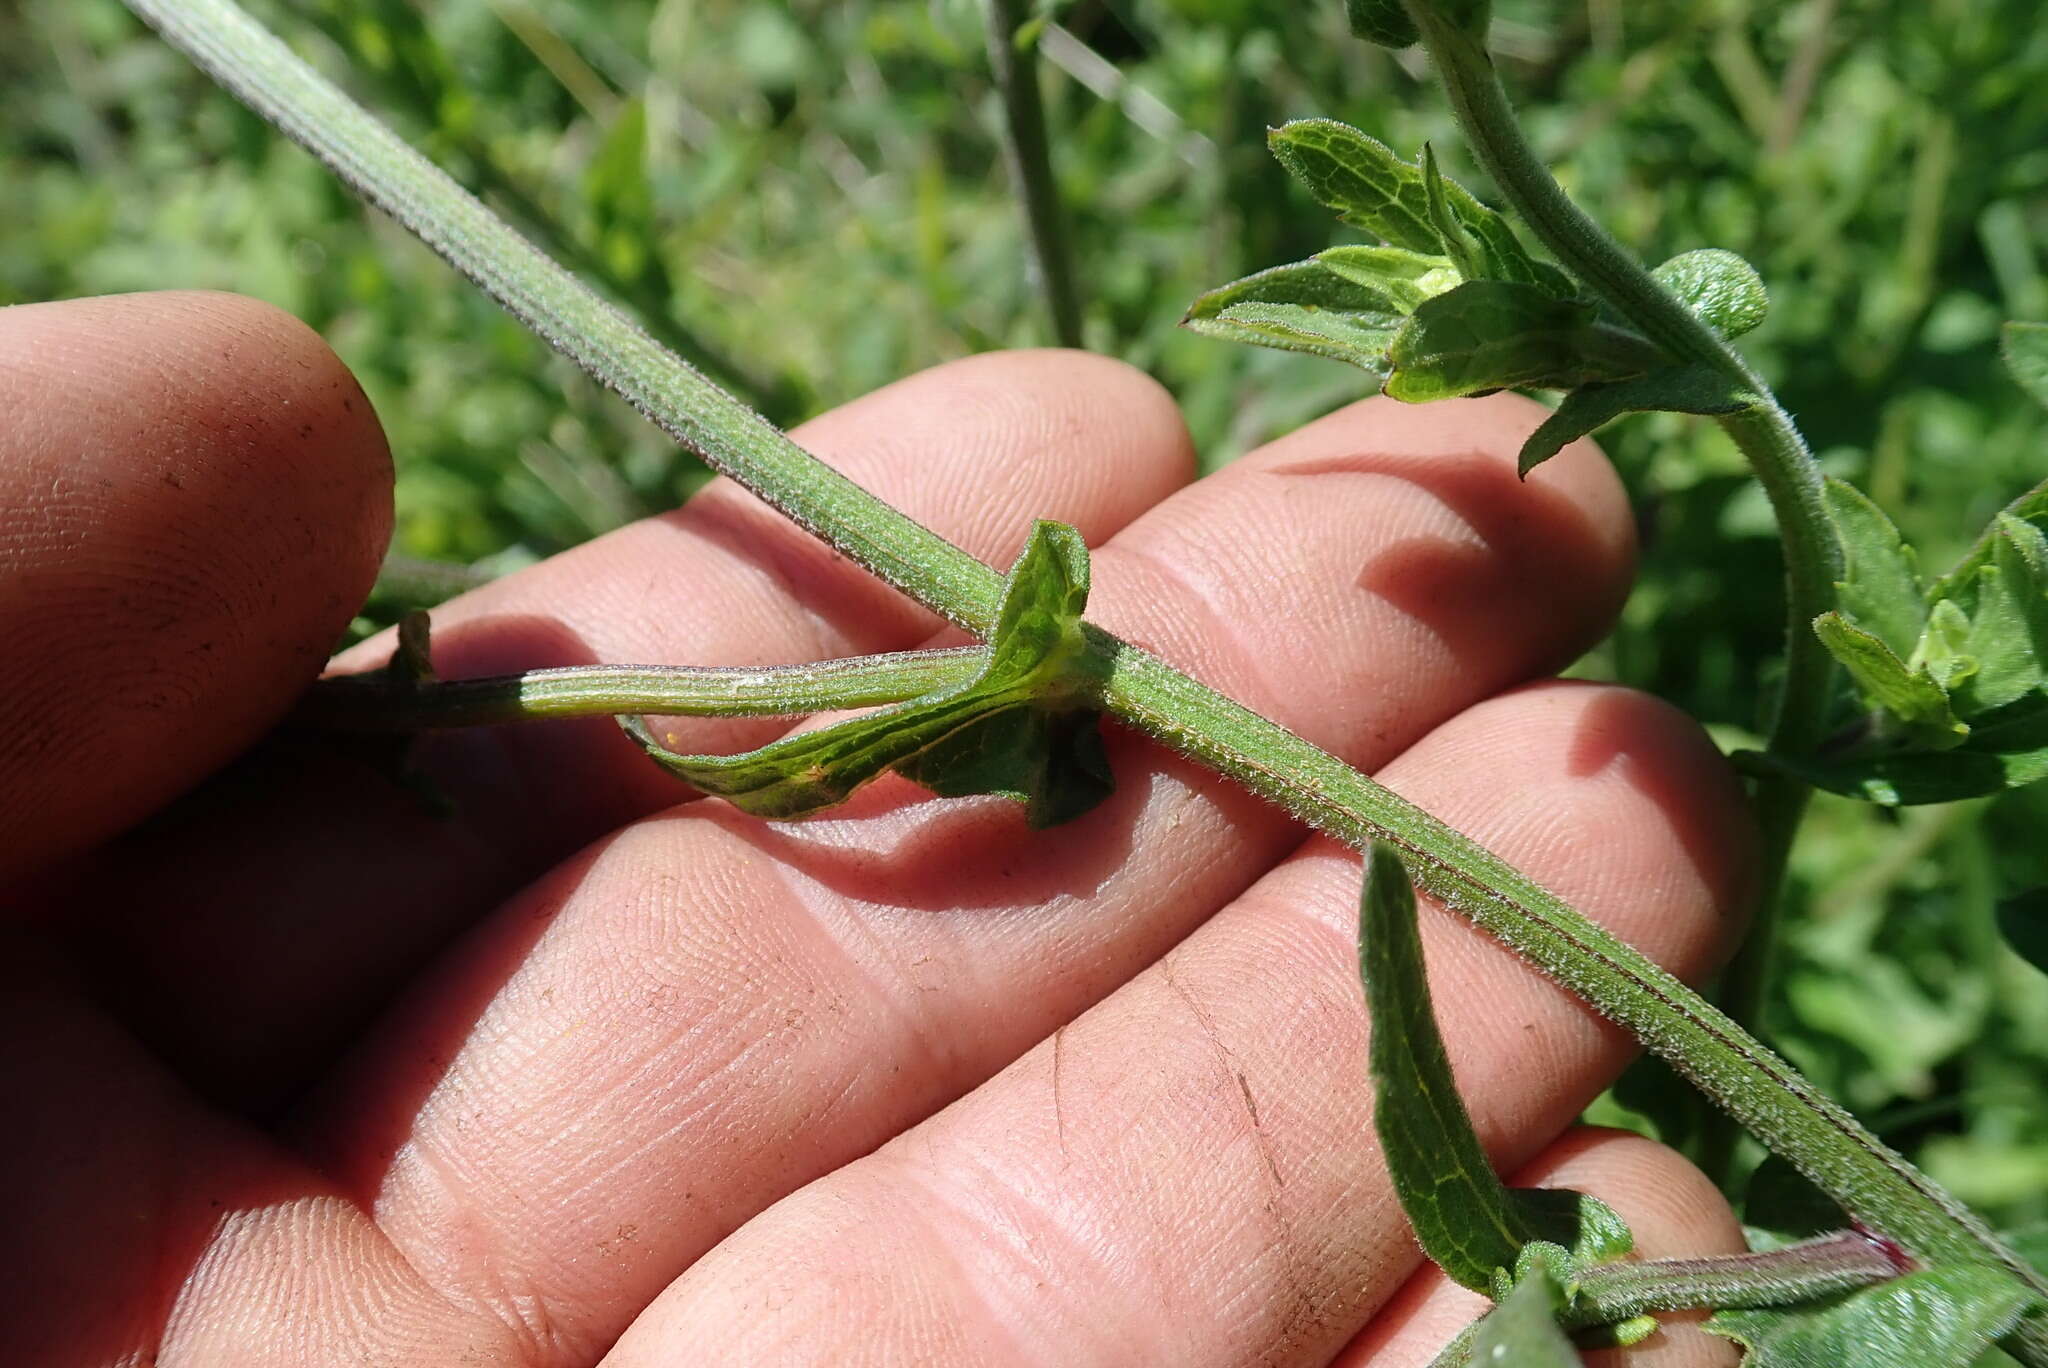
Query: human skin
x=301, y=1072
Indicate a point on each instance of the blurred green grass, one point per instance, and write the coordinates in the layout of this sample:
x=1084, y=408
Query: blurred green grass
x=811, y=194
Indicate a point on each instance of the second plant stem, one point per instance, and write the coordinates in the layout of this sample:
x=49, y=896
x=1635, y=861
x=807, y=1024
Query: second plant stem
x=1029, y=153
x=1763, y=431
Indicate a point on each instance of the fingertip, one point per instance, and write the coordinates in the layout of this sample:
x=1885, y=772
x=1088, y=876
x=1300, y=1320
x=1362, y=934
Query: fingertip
x=197, y=498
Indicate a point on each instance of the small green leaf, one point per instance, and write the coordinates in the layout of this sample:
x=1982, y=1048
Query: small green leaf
x=1496, y=334
x=1052, y=761
x=1880, y=590
x=1909, y=699
x=1948, y=1314
x=2025, y=347
x=1401, y=277
x=1455, y=1201
x=2023, y=920
x=1021, y=728
x=1363, y=340
x=1672, y=389
x=1302, y=307
x=1522, y=1332
x=1587, y=1229
x=1311, y=283
x=1360, y=178
x=1719, y=286
x=1385, y=22
x=1372, y=189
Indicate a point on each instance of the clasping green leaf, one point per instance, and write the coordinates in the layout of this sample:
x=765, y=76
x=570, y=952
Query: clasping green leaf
x=1481, y=1234
x=1025, y=727
x=1498, y=334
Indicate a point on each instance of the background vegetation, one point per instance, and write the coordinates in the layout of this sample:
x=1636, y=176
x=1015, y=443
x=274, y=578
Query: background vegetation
x=807, y=197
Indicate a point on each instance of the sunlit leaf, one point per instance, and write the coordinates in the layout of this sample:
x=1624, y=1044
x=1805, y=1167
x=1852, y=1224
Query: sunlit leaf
x=1372, y=189
x=1360, y=178
x=1303, y=307
x=1313, y=283
x=1403, y=278
x=1948, y=1314
x=1363, y=340
x=1719, y=286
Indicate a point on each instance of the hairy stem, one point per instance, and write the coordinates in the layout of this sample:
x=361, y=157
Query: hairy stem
x=1764, y=432
x=1028, y=151
x=1814, y=1268
x=1614, y=1292
x=243, y=56
x=1870, y=1181
x=379, y=703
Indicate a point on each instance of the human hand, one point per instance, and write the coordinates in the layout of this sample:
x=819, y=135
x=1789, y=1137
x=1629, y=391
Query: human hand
x=305, y=1074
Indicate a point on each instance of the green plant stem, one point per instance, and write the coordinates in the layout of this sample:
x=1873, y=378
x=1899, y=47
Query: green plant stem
x=379, y=703
x=264, y=74
x=1874, y=1184
x=1765, y=433
x=1614, y=1292
x=1780, y=1277
x=1028, y=151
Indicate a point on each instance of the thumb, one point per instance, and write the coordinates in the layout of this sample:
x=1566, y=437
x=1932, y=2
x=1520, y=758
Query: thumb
x=194, y=497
